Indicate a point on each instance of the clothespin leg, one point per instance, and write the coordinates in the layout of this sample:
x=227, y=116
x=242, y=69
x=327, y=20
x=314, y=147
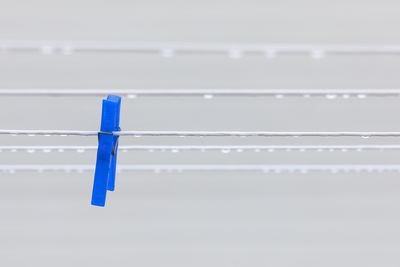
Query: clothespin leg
x=113, y=168
x=101, y=175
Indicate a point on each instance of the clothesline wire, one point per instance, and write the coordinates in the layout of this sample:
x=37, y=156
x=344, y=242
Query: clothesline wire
x=169, y=48
x=222, y=148
x=181, y=168
x=201, y=133
x=132, y=93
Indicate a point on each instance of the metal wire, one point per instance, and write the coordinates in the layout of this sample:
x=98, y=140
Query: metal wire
x=201, y=133
x=206, y=93
x=255, y=134
x=49, y=132
x=168, y=49
x=182, y=168
x=201, y=148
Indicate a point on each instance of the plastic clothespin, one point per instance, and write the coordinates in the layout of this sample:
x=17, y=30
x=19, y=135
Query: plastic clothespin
x=104, y=176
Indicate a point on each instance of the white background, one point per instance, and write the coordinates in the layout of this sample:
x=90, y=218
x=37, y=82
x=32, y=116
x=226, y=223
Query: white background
x=201, y=218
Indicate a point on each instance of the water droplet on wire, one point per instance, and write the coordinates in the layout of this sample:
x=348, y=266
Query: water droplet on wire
x=331, y=96
x=270, y=53
x=362, y=96
x=235, y=53
x=47, y=50
x=67, y=50
x=318, y=54
x=167, y=53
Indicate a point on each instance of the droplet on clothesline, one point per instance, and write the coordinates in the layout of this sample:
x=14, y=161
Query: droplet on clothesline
x=346, y=96
x=137, y=136
x=167, y=53
x=174, y=150
x=307, y=96
x=279, y=96
x=131, y=96
x=225, y=151
x=235, y=53
x=30, y=150
x=318, y=54
x=46, y=150
x=362, y=96
x=208, y=96
x=270, y=53
x=60, y=150
x=365, y=136
x=47, y=50
x=331, y=96
x=80, y=150
x=67, y=50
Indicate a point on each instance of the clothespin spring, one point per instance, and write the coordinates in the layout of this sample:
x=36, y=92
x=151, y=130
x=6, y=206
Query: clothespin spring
x=116, y=142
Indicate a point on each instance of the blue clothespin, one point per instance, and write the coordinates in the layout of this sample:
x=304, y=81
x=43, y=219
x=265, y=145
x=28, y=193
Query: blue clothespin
x=104, y=176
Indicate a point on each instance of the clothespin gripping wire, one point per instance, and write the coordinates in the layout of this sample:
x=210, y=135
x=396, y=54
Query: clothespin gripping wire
x=104, y=178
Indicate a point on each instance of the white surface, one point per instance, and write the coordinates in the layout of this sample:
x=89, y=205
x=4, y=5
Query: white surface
x=202, y=218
